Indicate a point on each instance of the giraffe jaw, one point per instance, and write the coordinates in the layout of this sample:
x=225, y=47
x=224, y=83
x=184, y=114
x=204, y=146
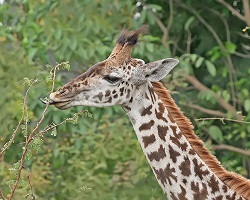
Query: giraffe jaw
x=58, y=104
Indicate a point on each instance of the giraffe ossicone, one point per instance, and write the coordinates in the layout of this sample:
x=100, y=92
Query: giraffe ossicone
x=184, y=168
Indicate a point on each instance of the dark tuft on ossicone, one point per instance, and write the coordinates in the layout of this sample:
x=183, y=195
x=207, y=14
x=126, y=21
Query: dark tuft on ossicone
x=131, y=37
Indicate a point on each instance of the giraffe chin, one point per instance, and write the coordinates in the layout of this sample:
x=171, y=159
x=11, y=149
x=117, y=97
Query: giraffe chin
x=62, y=105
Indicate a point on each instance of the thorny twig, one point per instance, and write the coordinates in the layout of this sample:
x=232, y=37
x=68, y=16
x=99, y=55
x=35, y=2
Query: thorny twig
x=32, y=135
x=26, y=149
x=222, y=119
x=53, y=126
x=7, y=145
x=31, y=188
x=1, y=194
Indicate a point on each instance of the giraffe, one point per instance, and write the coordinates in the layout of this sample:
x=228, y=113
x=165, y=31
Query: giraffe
x=182, y=165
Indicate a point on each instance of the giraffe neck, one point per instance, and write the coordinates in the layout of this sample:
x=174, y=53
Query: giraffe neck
x=180, y=171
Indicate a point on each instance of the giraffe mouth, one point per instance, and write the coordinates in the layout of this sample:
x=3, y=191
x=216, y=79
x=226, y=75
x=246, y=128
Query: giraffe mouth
x=58, y=104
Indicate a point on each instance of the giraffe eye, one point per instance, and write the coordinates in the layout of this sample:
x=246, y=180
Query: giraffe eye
x=111, y=79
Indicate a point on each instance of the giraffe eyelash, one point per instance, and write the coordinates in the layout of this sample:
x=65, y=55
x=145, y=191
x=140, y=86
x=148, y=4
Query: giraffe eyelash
x=111, y=79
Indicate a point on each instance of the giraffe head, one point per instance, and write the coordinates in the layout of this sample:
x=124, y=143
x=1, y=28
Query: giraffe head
x=114, y=80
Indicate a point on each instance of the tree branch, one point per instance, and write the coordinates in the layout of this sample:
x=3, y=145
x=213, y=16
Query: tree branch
x=30, y=137
x=1, y=195
x=234, y=12
x=171, y=15
x=199, y=86
x=205, y=110
x=222, y=120
x=163, y=28
x=231, y=148
x=246, y=8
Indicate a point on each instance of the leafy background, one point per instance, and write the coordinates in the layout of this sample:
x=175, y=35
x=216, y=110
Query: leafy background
x=100, y=158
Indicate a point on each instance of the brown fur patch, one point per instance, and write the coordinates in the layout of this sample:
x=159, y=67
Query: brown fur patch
x=146, y=126
x=234, y=181
x=147, y=140
x=157, y=155
x=146, y=111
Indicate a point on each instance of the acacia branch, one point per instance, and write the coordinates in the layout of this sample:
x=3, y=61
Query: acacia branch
x=53, y=126
x=222, y=120
x=21, y=165
x=1, y=194
x=7, y=145
x=199, y=86
x=231, y=148
x=205, y=110
x=30, y=138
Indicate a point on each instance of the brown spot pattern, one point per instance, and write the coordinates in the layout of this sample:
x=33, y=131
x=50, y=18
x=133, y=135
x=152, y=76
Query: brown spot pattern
x=173, y=154
x=199, y=194
x=173, y=197
x=175, y=141
x=107, y=93
x=224, y=188
x=147, y=140
x=185, y=167
x=99, y=96
x=127, y=108
x=198, y=169
x=166, y=176
x=174, y=129
x=109, y=100
x=128, y=93
x=157, y=155
x=159, y=115
x=146, y=126
x=191, y=152
x=122, y=90
x=152, y=93
x=182, y=195
x=162, y=132
x=213, y=184
x=146, y=111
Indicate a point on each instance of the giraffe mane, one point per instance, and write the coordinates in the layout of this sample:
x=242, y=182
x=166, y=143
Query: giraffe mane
x=233, y=180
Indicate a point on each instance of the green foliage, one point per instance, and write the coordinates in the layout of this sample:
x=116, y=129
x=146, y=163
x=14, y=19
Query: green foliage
x=215, y=133
x=98, y=156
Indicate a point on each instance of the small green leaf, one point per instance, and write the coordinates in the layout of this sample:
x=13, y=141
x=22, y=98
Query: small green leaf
x=198, y=62
x=193, y=57
x=247, y=105
x=67, y=66
x=231, y=47
x=189, y=22
x=154, y=6
x=216, y=133
x=73, y=44
x=150, y=47
x=211, y=68
x=226, y=95
x=142, y=17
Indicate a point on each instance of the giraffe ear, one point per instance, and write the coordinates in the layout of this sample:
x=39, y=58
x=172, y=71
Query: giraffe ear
x=157, y=70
